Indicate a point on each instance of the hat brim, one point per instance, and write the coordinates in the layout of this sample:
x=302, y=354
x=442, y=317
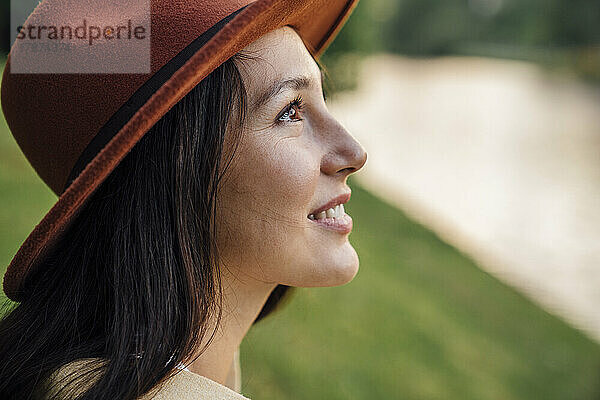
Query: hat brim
x=316, y=21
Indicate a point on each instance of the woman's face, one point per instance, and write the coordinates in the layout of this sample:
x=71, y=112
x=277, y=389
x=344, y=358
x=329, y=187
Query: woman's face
x=291, y=163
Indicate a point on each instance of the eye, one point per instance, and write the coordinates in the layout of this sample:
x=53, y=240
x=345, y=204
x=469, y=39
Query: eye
x=291, y=111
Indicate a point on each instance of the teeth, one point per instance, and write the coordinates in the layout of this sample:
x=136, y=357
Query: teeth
x=335, y=212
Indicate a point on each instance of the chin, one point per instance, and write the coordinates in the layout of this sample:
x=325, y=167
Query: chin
x=330, y=268
x=343, y=271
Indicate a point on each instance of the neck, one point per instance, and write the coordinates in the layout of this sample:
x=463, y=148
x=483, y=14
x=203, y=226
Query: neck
x=243, y=298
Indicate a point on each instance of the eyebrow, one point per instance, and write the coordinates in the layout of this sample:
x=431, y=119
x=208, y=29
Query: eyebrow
x=296, y=83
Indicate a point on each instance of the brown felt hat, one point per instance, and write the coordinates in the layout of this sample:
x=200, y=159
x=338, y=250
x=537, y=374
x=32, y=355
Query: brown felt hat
x=74, y=128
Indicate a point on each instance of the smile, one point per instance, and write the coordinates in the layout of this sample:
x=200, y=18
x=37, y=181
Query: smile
x=334, y=217
x=335, y=212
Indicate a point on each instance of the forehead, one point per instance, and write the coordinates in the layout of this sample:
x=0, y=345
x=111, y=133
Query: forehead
x=280, y=54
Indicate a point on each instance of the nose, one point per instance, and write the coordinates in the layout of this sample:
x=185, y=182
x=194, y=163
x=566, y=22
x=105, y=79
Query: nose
x=345, y=155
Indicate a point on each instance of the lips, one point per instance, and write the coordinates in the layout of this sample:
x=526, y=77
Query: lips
x=331, y=215
x=330, y=207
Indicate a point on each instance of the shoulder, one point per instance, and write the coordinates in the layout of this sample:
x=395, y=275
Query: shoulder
x=188, y=385
x=183, y=385
x=68, y=381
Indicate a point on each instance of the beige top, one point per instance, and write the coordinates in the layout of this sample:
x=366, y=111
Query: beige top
x=185, y=385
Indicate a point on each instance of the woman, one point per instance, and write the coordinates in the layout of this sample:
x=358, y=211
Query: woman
x=231, y=197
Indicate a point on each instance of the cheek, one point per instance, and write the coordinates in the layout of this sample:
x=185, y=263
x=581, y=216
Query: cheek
x=285, y=176
x=265, y=198
x=276, y=176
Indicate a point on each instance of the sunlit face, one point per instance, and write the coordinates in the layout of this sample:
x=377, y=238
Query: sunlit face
x=291, y=162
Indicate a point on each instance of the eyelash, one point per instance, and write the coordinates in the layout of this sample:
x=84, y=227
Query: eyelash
x=298, y=102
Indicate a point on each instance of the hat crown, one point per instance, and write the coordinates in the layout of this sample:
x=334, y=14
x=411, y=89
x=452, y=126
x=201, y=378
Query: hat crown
x=54, y=116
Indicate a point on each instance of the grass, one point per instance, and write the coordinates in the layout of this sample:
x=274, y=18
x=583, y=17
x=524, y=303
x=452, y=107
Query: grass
x=419, y=321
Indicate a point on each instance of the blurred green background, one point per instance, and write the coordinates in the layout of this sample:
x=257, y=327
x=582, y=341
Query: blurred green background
x=421, y=320
x=558, y=34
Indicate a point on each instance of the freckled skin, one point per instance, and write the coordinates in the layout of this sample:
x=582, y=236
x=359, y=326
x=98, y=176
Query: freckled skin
x=282, y=172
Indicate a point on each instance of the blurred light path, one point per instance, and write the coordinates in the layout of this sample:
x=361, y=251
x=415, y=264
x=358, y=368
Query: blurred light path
x=499, y=158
